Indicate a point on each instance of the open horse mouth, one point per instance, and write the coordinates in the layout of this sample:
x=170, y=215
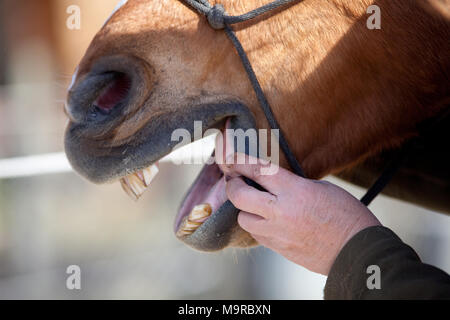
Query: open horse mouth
x=203, y=199
x=102, y=101
x=206, y=195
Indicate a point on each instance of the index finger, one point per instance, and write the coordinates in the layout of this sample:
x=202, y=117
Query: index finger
x=272, y=177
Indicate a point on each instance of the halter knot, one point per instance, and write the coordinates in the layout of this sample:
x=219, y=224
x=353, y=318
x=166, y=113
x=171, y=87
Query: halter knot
x=216, y=17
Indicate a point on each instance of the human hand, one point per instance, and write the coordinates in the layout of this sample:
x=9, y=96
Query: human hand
x=306, y=221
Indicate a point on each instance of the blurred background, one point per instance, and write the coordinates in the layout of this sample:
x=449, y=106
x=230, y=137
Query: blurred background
x=125, y=250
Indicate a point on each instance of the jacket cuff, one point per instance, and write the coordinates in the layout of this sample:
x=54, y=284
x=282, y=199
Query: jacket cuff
x=347, y=278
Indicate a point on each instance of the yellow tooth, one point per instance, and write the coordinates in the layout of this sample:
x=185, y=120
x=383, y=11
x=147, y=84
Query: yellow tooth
x=150, y=173
x=200, y=212
x=127, y=189
x=188, y=227
x=181, y=233
x=195, y=219
x=140, y=175
x=136, y=184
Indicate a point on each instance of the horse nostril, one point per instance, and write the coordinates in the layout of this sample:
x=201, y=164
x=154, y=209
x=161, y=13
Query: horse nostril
x=107, y=89
x=114, y=93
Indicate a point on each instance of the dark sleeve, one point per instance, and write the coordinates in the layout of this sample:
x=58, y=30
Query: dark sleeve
x=402, y=275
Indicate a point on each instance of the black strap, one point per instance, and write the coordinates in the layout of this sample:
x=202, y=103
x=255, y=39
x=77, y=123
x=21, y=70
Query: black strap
x=218, y=19
x=386, y=176
x=415, y=144
x=290, y=157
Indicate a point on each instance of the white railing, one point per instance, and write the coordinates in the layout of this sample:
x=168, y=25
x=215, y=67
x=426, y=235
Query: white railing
x=51, y=163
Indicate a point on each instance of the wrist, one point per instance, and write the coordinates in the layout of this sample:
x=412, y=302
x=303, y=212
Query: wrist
x=364, y=221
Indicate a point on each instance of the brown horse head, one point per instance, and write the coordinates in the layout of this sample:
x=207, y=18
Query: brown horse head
x=340, y=91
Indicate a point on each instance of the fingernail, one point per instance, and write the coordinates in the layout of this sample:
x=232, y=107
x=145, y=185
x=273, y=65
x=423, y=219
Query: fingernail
x=264, y=162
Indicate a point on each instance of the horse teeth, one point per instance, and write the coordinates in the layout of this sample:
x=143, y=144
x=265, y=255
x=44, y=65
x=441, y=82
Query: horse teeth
x=188, y=227
x=195, y=219
x=200, y=212
x=150, y=173
x=127, y=189
x=135, y=184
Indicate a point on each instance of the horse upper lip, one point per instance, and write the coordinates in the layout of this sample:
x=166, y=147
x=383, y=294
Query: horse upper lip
x=100, y=161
